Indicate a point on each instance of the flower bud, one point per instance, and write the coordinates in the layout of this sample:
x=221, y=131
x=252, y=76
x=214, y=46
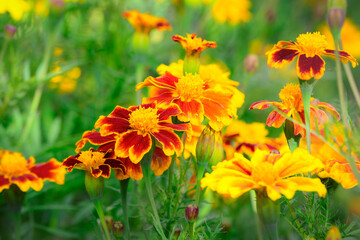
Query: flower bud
x=336, y=18
x=205, y=145
x=118, y=228
x=218, y=153
x=10, y=31
x=191, y=212
x=251, y=63
x=177, y=233
x=337, y=3
x=94, y=186
x=57, y=4
x=109, y=221
x=333, y=234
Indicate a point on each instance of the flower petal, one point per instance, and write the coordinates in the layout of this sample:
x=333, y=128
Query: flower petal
x=166, y=82
x=308, y=67
x=95, y=138
x=216, y=113
x=111, y=125
x=132, y=145
x=309, y=185
x=28, y=180
x=132, y=170
x=278, y=56
x=169, y=141
x=51, y=170
x=70, y=162
x=160, y=162
x=344, y=56
x=105, y=170
x=275, y=119
x=172, y=110
x=191, y=111
x=4, y=183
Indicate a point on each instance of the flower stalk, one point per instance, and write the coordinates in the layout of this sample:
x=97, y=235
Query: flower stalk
x=123, y=192
x=15, y=198
x=145, y=165
x=269, y=213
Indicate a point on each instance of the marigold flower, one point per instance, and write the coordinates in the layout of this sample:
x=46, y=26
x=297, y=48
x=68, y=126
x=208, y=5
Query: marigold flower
x=350, y=37
x=309, y=47
x=214, y=77
x=274, y=174
x=136, y=126
x=233, y=11
x=16, y=8
x=194, y=98
x=144, y=22
x=159, y=163
x=15, y=169
x=193, y=45
x=292, y=105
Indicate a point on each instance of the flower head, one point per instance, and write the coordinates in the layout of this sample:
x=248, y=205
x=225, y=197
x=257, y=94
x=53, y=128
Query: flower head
x=136, y=126
x=193, y=45
x=309, y=47
x=274, y=174
x=292, y=105
x=233, y=11
x=194, y=98
x=15, y=169
x=144, y=22
x=16, y=8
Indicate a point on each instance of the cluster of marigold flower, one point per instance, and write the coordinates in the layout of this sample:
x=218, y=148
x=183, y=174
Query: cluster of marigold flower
x=188, y=106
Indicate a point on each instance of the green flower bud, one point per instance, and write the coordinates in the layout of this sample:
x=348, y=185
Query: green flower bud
x=205, y=145
x=94, y=186
x=109, y=221
x=336, y=18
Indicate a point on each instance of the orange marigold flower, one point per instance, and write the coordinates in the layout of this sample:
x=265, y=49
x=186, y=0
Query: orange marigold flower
x=309, y=47
x=15, y=169
x=159, y=163
x=194, y=98
x=136, y=126
x=274, y=174
x=98, y=163
x=144, y=22
x=292, y=105
x=193, y=45
x=234, y=11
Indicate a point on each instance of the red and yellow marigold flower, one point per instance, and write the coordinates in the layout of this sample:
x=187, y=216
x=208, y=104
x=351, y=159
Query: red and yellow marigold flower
x=98, y=163
x=194, y=98
x=136, y=126
x=309, y=47
x=159, y=163
x=193, y=45
x=214, y=76
x=15, y=169
x=292, y=106
x=144, y=22
x=233, y=11
x=273, y=174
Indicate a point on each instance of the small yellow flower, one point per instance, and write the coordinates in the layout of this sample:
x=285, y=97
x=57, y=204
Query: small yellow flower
x=273, y=174
x=233, y=11
x=333, y=234
x=16, y=8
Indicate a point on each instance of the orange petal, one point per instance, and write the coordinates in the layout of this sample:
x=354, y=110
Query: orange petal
x=344, y=56
x=308, y=67
x=51, y=170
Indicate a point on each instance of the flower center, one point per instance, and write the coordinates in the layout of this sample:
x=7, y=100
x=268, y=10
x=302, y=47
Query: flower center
x=144, y=119
x=291, y=97
x=264, y=172
x=190, y=87
x=311, y=43
x=12, y=164
x=92, y=159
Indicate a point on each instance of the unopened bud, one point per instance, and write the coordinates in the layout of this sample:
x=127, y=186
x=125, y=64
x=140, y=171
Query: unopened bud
x=57, y=4
x=109, y=221
x=337, y=3
x=336, y=18
x=118, y=228
x=205, y=145
x=218, y=153
x=226, y=226
x=10, y=31
x=251, y=63
x=177, y=233
x=270, y=15
x=191, y=212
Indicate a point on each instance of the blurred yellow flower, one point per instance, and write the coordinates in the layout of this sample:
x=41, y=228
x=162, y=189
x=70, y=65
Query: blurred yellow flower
x=350, y=37
x=16, y=8
x=333, y=234
x=233, y=11
x=41, y=8
x=272, y=174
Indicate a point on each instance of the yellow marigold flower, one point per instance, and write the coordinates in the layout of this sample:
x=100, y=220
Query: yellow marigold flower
x=350, y=37
x=309, y=47
x=144, y=22
x=336, y=166
x=16, y=8
x=333, y=234
x=233, y=11
x=193, y=45
x=292, y=105
x=273, y=174
x=41, y=8
x=214, y=76
x=15, y=169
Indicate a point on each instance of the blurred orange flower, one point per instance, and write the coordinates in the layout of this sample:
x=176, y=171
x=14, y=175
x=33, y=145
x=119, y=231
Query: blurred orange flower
x=309, y=47
x=193, y=45
x=15, y=169
x=194, y=98
x=292, y=105
x=274, y=174
x=233, y=11
x=145, y=23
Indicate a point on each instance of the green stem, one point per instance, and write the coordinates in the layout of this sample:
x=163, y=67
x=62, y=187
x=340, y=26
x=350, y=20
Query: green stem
x=139, y=79
x=145, y=165
x=100, y=211
x=199, y=176
x=306, y=90
x=15, y=198
x=123, y=191
x=269, y=213
x=253, y=206
x=3, y=50
x=192, y=230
